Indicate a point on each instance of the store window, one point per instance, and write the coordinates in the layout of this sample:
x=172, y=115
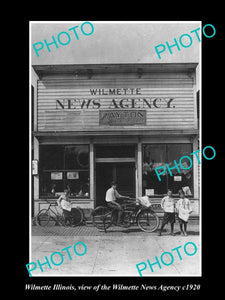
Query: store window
x=64, y=167
x=155, y=155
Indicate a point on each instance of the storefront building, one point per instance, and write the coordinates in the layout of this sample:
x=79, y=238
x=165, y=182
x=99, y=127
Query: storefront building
x=96, y=123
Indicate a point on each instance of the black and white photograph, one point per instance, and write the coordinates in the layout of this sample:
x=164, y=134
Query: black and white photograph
x=116, y=148
x=124, y=119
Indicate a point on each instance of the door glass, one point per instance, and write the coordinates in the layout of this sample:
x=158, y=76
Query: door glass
x=125, y=179
x=123, y=174
x=104, y=177
x=115, y=151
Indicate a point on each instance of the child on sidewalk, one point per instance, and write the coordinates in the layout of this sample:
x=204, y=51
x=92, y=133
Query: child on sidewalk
x=65, y=203
x=168, y=205
x=183, y=208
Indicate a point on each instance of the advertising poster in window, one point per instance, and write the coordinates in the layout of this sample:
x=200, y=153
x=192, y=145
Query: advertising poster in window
x=56, y=176
x=72, y=175
x=119, y=156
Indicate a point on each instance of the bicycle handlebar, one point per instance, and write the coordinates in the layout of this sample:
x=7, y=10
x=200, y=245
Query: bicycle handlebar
x=131, y=199
x=51, y=203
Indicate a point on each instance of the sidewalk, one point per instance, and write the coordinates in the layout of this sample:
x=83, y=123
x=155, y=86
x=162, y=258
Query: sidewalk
x=115, y=253
x=90, y=230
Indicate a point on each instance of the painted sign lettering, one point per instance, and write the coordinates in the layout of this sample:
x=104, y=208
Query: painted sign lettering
x=130, y=100
x=125, y=117
x=124, y=103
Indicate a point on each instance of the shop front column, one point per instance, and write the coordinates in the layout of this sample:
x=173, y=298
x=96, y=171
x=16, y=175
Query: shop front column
x=139, y=171
x=35, y=177
x=196, y=170
x=92, y=173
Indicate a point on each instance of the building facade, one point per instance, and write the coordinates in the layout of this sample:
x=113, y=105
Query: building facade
x=96, y=123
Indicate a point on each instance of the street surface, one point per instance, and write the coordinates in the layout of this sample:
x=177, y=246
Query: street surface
x=115, y=253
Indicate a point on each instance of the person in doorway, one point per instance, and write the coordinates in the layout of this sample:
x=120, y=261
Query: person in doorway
x=183, y=208
x=111, y=196
x=168, y=205
x=65, y=203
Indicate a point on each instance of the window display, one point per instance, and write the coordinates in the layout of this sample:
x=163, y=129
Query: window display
x=64, y=167
x=155, y=155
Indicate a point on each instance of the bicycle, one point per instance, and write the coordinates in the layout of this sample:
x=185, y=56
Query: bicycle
x=54, y=217
x=146, y=219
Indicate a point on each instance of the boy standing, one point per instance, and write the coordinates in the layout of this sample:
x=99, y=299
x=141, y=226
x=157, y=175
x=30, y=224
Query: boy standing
x=168, y=205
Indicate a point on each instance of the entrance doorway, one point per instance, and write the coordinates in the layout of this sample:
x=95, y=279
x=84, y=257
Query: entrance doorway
x=114, y=163
x=122, y=173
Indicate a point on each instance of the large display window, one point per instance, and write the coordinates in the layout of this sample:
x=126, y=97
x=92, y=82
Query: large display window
x=155, y=155
x=64, y=166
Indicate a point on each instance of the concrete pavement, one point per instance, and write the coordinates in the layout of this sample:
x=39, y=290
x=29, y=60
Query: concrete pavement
x=115, y=253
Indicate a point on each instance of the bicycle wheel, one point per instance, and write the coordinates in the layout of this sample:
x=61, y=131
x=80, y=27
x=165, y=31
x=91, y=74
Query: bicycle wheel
x=43, y=217
x=147, y=221
x=77, y=216
x=60, y=220
x=101, y=217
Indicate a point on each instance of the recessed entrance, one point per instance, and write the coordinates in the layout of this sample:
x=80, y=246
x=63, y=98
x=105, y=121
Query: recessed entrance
x=115, y=163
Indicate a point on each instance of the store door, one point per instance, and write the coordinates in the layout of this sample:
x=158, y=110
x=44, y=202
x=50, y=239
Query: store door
x=122, y=173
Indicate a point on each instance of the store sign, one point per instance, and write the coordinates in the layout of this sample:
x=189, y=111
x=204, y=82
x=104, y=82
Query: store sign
x=119, y=103
x=75, y=107
x=125, y=117
x=129, y=98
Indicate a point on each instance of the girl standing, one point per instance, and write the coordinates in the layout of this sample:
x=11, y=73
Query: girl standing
x=183, y=208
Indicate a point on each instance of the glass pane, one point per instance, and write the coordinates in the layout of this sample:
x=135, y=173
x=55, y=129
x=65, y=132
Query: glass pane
x=158, y=155
x=184, y=179
x=49, y=187
x=76, y=157
x=115, y=151
x=153, y=157
x=51, y=157
x=63, y=166
x=79, y=187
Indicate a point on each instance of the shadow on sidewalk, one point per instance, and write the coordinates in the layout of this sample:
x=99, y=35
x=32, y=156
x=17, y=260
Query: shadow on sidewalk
x=136, y=230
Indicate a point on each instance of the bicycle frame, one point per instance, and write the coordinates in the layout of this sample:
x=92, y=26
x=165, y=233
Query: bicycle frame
x=133, y=212
x=132, y=216
x=57, y=214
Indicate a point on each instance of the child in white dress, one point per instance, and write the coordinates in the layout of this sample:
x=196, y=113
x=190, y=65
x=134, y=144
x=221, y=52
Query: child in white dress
x=183, y=208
